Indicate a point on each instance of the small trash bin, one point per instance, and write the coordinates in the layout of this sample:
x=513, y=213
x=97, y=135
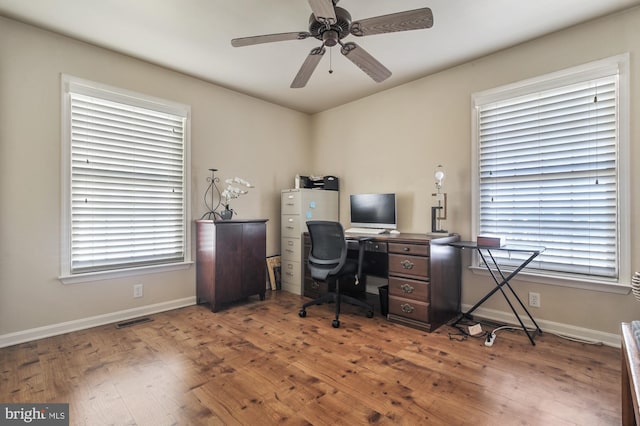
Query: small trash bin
x=383, y=292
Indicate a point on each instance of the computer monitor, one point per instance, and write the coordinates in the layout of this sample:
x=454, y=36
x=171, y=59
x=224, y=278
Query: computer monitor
x=373, y=211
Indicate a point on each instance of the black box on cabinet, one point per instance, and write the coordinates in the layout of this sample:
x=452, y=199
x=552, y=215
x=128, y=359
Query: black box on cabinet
x=331, y=183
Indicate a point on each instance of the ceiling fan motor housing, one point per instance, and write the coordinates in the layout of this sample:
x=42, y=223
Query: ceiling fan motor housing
x=340, y=28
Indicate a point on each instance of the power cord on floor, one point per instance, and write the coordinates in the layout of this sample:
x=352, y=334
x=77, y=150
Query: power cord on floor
x=469, y=328
x=562, y=336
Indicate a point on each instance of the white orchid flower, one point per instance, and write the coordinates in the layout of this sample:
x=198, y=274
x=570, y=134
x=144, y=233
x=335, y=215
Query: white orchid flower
x=239, y=181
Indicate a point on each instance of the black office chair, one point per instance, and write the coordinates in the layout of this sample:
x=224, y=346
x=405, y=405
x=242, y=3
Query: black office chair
x=328, y=262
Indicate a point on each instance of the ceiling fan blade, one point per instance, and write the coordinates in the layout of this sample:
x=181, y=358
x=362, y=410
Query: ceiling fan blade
x=323, y=11
x=307, y=68
x=402, y=21
x=365, y=62
x=268, y=38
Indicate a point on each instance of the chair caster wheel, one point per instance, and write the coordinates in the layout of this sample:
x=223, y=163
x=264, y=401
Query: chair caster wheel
x=370, y=314
x=335, y=323
x=302, y=313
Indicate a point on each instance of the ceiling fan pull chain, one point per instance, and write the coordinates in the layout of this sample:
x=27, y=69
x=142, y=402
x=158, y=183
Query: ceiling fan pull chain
x=331, y=61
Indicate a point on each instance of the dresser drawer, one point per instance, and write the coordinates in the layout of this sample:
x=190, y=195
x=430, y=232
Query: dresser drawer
x=290, y=203
x=290, y=248
x=410, y=289
x=290, y=226
x=409, y=308
x=416, y=266
x=413, y=249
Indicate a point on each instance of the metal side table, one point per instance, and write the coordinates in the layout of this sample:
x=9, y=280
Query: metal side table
x=500, y=279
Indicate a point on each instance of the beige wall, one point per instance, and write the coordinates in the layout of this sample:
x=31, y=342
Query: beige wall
x=239, y=135
x=401, y=134
x=404, y=133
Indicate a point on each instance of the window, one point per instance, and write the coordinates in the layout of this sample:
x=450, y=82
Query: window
x=125, y=174
x=551, y=170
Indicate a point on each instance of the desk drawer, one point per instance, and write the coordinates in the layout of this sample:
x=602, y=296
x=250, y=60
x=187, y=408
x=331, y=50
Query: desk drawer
x=290, y=226
x=409, y=265
x=413, y=249
x=410, y=289
x=409, y=308
x=314, y=289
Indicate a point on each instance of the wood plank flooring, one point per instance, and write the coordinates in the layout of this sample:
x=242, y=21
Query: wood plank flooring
x=258, y=363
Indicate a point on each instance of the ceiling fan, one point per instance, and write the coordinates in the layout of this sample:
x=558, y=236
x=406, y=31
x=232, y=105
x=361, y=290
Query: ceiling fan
x=330, y=24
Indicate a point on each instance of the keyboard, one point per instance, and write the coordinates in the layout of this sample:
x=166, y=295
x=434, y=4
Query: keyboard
x=371, y=231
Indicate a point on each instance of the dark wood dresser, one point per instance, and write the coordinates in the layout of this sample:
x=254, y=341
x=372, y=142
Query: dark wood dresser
x=230, y=260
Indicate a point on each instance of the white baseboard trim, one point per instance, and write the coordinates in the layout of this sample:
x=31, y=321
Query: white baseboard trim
x=568, y=330
x=84, y=323
x=501, y=317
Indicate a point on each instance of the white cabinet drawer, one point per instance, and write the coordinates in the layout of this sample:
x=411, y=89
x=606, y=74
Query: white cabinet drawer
x=290, y=203
x=290, y=226
x=291, y=272
x=291, y=249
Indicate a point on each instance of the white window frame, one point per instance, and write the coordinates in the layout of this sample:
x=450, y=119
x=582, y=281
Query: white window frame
x=70, y=84
x=617, y=64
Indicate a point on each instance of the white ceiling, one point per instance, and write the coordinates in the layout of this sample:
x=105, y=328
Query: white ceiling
x=193, y=37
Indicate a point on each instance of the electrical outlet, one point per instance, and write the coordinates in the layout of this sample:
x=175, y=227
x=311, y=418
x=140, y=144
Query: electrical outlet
x=137, y=290
x=534, y=299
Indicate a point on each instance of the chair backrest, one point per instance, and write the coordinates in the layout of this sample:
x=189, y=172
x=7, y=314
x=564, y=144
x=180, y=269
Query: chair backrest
x=328, y=248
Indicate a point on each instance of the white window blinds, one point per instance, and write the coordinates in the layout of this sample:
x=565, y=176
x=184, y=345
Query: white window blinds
x=127, y=183
x=547, y=166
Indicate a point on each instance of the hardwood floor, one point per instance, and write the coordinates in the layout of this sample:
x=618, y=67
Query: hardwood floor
x=259, y=363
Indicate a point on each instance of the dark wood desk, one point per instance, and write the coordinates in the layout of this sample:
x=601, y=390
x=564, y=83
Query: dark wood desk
x=423, y=272
x=503, y=281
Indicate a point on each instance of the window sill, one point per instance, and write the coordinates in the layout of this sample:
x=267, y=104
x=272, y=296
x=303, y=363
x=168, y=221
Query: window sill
x=121, y=273
x=582, y=284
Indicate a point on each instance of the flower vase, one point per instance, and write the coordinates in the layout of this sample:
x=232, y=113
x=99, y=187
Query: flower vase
x=227, y=213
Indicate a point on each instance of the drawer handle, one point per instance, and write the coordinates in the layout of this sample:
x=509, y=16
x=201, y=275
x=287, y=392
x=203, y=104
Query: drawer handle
x=315, y=285
x=406, y=264
x=406, y=248
x=407, y=288
x=407, y=308
x=289, y=227
x=289, y=251
x=289, y=274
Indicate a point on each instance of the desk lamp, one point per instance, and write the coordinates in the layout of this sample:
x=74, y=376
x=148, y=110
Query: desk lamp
x=439, y=212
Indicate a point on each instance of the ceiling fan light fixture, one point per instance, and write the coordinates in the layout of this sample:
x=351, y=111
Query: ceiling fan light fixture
x=330, y=38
